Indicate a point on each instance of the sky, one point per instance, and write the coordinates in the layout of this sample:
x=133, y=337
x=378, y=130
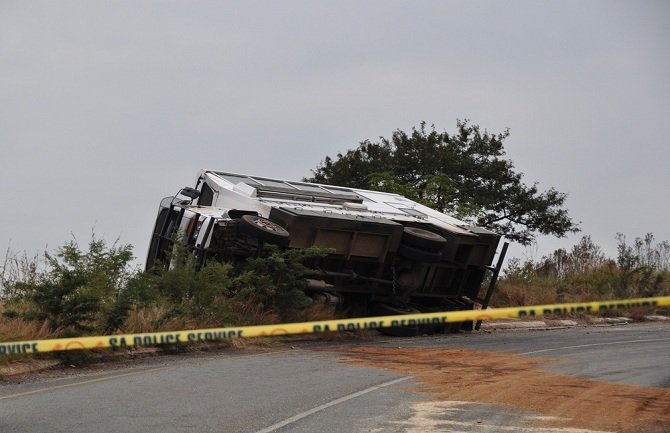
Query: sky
x=106, y=107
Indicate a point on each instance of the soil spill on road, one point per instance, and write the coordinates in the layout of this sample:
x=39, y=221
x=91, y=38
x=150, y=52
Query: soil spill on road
x=520, y=382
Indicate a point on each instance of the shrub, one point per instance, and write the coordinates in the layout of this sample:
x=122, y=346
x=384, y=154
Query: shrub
x=186, y=290
x=80, y=291
x=259, y=289
x=276, y=281
x=584, y=273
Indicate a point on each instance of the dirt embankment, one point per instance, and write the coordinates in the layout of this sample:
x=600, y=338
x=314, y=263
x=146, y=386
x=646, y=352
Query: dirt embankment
x=521, y=382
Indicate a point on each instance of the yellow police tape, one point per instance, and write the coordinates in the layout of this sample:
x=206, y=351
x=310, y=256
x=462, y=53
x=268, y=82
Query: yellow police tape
x=199, y=335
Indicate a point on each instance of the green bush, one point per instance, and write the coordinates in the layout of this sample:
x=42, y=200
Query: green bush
x=276, y=281
x=81, y=291
x=94, y=290
x=186, y=289
x=271, y=284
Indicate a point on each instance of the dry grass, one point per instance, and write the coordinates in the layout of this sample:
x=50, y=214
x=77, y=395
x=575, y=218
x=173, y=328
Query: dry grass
x=512, y=294
x=14, y=329
x=153, y=319
x=316, y=312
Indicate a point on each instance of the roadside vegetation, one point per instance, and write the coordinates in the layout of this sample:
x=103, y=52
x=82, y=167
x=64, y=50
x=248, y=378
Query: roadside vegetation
x=78, y=291
x=95, y=289
x=583, y=273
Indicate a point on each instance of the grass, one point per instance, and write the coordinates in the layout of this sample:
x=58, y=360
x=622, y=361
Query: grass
x=12, y=329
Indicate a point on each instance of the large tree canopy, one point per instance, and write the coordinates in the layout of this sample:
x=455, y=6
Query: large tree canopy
x=465, y=175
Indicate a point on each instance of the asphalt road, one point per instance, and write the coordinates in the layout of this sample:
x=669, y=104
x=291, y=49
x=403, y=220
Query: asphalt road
x=306, y=390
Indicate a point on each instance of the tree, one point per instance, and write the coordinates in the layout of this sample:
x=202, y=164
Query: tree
x=465, y=175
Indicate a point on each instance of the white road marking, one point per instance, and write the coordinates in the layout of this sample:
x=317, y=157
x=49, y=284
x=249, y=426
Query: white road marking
x=291, y=420
x=595, y=344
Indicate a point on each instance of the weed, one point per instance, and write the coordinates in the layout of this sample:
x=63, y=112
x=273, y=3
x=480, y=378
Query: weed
x=585, y=274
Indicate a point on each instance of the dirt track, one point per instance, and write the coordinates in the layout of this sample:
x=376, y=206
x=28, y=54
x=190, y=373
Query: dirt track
x=453, y=375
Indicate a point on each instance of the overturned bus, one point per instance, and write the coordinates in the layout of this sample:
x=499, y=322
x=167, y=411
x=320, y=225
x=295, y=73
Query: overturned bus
x=385, y=254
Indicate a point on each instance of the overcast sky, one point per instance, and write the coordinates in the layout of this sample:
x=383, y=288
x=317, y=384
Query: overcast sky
x=106, y=107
